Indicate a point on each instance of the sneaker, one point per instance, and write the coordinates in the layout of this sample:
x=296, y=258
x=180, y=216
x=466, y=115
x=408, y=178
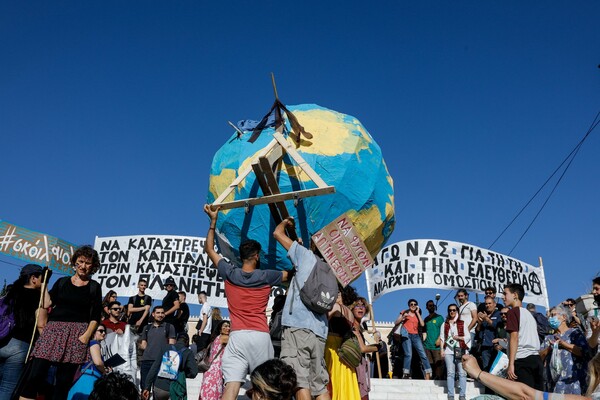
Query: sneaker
x=406, y=376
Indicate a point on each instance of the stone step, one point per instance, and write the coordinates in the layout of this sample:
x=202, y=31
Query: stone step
x=381, y=389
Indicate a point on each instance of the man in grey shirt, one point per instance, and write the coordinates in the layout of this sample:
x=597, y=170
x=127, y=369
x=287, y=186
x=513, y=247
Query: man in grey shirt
x=154, y=337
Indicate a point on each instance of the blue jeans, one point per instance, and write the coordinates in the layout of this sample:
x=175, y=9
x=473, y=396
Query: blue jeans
x=12, y=361
x=487, y=358
x=144, y=370
x=407, y=345
x=451, y=366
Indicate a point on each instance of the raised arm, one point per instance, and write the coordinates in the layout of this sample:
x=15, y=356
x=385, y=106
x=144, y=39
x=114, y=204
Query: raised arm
x=281, y=236
x=209, y=246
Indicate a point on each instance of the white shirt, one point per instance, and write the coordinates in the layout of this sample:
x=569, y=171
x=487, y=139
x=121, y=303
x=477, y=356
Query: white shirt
x=206, y=310
x=465, y=314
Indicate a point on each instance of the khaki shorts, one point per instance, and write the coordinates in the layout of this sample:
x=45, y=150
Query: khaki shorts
x=304, y=351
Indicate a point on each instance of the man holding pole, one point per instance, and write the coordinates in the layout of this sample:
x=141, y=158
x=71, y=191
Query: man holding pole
x=247, y=290
x=304, y=332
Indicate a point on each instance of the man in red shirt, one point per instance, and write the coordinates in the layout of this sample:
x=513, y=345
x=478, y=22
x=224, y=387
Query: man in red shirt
x=112, y=322
x=247, y=290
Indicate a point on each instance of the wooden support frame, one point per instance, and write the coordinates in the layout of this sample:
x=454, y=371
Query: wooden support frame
x=264, y=166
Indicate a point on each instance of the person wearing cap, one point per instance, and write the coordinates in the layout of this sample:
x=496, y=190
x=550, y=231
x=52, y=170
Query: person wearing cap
x=23, y=298
x=76, y=303
x=171, y=301
x=187, y=365
x=247, y=290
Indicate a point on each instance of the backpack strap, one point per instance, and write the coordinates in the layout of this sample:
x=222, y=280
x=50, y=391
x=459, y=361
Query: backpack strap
x=297, y=285
x=167, y=329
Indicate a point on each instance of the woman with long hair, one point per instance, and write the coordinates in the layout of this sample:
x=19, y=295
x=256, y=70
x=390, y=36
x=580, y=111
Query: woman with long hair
x=363, y=373
x=92, y=370
x=343, y=383
x=272, y=380
x=212, y=381
x=412, y=322
x=76, y=303
x=454, y=338
x=23, y=300
x=216, y=318
x=109, y=298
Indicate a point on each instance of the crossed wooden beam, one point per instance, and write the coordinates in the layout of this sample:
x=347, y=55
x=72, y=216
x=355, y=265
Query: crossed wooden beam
x=264, y=165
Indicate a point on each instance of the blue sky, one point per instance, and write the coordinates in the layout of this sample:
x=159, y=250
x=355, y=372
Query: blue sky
x=110, y=114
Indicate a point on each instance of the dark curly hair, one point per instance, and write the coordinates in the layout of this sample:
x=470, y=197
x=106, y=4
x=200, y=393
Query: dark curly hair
x=274, y=380
x=248, y=249
x=87, y=251
x=349, y=294
x=114, y=386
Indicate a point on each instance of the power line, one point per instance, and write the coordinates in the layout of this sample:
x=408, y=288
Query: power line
x=568, y=159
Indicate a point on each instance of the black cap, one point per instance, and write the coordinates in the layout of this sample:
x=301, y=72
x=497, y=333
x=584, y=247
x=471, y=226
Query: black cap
x=31, y=269
x=170, y=281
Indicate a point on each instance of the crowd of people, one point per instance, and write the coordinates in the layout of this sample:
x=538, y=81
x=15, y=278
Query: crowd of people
x=57, y=345
x=548, y=353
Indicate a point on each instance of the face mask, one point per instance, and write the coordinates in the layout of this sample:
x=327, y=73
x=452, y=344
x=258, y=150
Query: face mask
x=554, y=322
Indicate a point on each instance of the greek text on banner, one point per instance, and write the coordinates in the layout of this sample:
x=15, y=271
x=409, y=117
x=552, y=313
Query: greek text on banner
x=443, y=264
x=36, y=247
x=127, y=259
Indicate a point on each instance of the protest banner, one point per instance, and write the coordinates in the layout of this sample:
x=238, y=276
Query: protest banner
x=444, y=264
x=127, y=259
x=36, y=247
x=343, y=249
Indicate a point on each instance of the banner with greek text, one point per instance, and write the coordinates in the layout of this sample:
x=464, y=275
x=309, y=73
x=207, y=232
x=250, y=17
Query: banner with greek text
x=36, y=247
x=127, y=259
x=443, y=264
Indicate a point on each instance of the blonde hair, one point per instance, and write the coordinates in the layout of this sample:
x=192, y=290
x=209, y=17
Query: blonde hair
x=594, y=374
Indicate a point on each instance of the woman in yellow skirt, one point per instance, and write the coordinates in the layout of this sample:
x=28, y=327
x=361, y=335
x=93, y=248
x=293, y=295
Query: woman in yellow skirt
x=343, y=383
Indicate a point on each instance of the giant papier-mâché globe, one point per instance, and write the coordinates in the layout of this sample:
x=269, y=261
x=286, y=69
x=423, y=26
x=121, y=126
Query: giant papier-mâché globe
x=345, y=156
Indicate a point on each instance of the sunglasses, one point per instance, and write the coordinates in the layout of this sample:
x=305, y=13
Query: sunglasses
x=101, y=331
x=359, y=306
x=503, y=313
x=116, y=309
x=453, y=310
x=412, y=304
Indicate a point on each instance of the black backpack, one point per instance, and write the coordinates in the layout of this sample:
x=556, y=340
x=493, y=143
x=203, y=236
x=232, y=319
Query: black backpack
x=320, y=290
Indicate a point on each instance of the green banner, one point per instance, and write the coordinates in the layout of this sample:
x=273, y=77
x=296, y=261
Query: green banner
x=36, y=247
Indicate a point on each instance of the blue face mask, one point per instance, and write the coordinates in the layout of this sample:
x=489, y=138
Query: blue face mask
x=554, y=322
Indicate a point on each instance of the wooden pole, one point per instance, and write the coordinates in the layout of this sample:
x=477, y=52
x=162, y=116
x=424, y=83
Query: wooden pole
x=239, y=132
x=545, y=289
x=274, y=86
x=377, y=352
x=37, y=315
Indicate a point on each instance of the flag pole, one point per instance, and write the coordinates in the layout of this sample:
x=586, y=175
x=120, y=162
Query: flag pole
x=37, y=314
x=545, y=286
x=372, y=312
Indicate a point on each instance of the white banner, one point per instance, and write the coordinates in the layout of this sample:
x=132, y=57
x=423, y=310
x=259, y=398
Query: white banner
x=443, y=264
x=127, y=259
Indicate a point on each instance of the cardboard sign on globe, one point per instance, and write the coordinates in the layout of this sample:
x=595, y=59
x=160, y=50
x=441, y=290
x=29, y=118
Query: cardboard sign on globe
x=343, y=249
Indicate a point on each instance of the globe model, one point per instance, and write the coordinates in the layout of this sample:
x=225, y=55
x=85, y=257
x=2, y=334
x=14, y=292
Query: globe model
x=344, y=155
